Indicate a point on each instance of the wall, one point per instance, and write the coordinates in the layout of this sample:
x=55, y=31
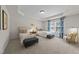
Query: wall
x=13, y=21
x=26, y=21
x=71, y=21
x=45, y=25
x=4, y=34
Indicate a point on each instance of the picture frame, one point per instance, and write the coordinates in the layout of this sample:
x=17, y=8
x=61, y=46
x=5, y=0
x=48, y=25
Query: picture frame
x=0, y=17
x=4, y=20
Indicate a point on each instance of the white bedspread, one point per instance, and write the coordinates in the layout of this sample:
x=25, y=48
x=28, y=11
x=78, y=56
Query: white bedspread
x=45, y=33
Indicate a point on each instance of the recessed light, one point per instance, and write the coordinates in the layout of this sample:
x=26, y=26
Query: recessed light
x=42, y=11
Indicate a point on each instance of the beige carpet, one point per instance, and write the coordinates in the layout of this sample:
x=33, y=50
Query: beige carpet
x=44, y=46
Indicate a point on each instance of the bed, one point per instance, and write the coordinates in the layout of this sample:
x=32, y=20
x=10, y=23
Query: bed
x=45, y=33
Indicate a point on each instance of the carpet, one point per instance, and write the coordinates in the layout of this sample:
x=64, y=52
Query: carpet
x=44, y=46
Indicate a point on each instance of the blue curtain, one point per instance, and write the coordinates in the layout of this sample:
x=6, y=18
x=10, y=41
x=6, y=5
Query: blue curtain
x=59, y=26
x=62, y=27
x=48, y=25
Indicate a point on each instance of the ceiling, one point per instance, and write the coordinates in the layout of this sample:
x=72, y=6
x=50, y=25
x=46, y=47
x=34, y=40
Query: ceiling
x=50, y=10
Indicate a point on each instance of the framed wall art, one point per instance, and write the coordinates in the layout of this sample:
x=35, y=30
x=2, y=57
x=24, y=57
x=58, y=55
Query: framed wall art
x=4, y=20
x=0, y=17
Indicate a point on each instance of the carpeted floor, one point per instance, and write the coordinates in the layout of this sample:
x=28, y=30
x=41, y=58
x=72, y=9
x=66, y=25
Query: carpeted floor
x=44, y=46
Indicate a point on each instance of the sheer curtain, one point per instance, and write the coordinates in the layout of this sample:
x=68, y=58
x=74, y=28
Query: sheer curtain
x=56, y=26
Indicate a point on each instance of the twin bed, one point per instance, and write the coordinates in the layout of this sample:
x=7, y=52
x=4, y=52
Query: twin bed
x=39, y=33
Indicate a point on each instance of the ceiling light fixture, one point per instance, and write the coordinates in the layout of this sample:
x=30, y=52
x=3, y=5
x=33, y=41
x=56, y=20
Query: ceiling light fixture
x=42, y=11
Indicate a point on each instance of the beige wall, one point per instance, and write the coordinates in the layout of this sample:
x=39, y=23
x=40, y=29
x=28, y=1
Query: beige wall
x=27, y=21
x=4, y=34
x=71, y=21
x=13, y=21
